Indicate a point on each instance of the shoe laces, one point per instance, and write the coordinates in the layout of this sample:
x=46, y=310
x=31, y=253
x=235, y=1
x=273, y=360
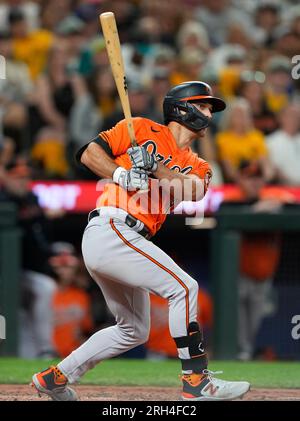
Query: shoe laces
x=59, y=376
x=218, y=382
x=210, y=374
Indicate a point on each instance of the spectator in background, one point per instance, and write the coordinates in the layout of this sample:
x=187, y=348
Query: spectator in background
x=146, y=35
x=140, y=102
x=284, y=146
x=71, y=32
x=252, y=89
x=15, y=90
x=159, y=85
x=259, y=253
x=232, y=64
x=126, y=14
x=287, y=42
x=7, y=151
x=92, y=101
x=172, y=17
x=103, y=89
x=238, y=141
x=238, y=35
x=37, y=288
x=54, y=96
x=71, y=303
x=193, y=35
x=87, y=12
x=267, y=20
x=219, y=15
x=51, y=14
x=17, y=84
x=30, y=10
x=295, y=22
x=49, y=153
x=191, y=62
x=99, y=57
x=30, y=47
x=279, y=83
x=164, y=59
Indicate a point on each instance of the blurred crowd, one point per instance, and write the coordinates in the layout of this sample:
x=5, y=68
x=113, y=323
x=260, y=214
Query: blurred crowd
x=58, y=93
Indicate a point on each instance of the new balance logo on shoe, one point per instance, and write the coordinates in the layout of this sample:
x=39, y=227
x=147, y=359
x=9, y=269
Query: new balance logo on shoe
x=211, y=389
x=205, y=386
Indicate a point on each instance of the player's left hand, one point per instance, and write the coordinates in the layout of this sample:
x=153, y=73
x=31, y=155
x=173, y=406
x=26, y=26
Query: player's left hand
x=141, y=158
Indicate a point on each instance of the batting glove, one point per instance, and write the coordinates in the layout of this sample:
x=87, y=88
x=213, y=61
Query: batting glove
x=141, y=158
x=133, y=179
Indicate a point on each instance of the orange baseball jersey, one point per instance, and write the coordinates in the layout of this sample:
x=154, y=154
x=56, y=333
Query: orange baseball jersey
x=72, y=318
x=151, y=208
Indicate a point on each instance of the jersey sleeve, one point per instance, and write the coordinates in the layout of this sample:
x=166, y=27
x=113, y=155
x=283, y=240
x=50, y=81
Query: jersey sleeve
x=202, y=170
x=118, y=137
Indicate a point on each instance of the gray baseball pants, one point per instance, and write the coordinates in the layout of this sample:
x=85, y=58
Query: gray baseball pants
x=127, y=267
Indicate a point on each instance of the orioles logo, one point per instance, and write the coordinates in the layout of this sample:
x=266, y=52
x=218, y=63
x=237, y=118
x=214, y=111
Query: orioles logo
x=151, y=147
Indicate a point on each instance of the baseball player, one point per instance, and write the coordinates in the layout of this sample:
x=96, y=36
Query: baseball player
x=121, y=258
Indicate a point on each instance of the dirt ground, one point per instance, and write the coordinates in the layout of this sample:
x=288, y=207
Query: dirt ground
x=115, y=393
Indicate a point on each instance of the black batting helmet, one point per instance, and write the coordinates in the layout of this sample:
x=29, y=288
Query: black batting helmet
x=181, y=98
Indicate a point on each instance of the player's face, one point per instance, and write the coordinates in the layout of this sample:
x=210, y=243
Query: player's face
x=186, y=136
x=205, y=108
x=66, y=274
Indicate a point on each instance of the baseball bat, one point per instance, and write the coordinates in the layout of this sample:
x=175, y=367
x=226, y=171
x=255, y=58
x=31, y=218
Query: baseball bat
x=113, y=47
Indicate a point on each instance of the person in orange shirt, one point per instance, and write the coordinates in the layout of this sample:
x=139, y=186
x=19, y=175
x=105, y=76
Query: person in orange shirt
x=143, y=183
x=71, y=304
x=259, y=253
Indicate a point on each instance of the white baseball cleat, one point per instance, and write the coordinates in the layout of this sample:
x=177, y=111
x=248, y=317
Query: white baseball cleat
x=53, y=383
x=205, y=387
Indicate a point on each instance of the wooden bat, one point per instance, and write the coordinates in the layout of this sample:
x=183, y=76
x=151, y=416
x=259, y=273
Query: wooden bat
x=113, y=47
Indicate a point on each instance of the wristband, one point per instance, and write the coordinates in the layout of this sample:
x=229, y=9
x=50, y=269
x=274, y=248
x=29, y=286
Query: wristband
x=116, y=174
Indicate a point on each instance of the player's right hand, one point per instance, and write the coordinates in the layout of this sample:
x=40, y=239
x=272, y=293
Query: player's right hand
x=141, y=158
x=133, y=179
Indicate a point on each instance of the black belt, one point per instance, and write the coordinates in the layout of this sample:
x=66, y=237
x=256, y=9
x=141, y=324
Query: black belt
x=130, y=220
